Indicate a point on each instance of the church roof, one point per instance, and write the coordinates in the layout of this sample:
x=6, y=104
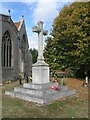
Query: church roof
x=17, y=24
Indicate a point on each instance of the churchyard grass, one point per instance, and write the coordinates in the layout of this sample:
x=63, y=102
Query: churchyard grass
x=75, y=106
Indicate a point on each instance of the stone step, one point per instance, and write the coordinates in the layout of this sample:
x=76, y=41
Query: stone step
x=63, y=94
x=63, y=88
x=44, y=86
x=36, y=86
x=60, y=94
x=39, y=86
x=29, y=91
x=28, y=97
x=45, y=99
x=49, y=97
x=39, y=92
x=35, y=92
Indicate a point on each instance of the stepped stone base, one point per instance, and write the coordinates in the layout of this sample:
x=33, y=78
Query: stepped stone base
x=40, y=93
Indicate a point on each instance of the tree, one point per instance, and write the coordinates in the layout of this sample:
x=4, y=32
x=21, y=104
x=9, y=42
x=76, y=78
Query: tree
x=50, y=54
x=71, y=39
x=34, y=53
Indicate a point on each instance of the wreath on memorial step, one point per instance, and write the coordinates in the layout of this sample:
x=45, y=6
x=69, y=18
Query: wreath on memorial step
x=54, y=88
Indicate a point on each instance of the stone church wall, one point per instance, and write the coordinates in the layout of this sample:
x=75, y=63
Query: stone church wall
x=21, y=59
x=28, y=57
x=0, y=49
x=11, y=72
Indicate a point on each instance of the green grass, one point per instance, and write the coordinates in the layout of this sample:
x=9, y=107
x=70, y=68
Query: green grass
x=75, y=106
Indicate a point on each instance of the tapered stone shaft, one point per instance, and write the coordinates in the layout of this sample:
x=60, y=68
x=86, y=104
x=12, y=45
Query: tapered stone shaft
x=41, y=32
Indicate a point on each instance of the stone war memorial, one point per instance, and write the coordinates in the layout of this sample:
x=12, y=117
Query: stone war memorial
x=39, y=91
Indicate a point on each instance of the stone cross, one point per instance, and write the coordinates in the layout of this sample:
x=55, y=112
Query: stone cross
x=39, y=29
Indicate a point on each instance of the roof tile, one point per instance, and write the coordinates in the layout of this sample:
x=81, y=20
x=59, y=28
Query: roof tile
x=17, y=24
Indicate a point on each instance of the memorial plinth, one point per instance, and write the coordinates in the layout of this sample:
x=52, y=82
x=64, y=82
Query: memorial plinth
x=40, y=74
x=39, y=90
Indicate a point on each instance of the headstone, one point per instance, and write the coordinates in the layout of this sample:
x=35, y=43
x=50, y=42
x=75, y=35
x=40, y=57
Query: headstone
x=62, y=81
x=86, y=80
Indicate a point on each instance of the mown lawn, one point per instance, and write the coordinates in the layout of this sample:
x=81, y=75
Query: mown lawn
x=75, y=106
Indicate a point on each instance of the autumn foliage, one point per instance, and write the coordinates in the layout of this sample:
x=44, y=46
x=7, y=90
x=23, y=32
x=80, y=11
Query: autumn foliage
x=69, y=46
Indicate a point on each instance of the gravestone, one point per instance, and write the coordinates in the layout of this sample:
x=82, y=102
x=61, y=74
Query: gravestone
x=40, y=90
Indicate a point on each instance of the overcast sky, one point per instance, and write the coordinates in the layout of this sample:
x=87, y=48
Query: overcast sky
x=34, y=11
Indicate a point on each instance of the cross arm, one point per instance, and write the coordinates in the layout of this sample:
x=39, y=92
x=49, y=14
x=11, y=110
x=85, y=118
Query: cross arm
x=45, y=32
x=36, y=29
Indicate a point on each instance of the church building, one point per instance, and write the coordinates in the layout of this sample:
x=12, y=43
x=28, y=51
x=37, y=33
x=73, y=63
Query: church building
x=15, y=58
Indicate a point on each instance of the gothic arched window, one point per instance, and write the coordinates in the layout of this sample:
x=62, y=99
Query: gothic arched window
x=6, y=50
x=23, y=42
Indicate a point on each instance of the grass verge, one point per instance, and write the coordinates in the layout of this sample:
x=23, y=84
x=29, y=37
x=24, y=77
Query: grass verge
x=75, y=106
